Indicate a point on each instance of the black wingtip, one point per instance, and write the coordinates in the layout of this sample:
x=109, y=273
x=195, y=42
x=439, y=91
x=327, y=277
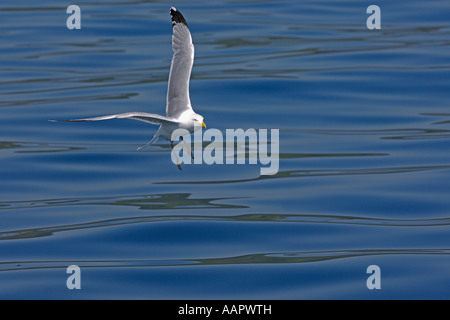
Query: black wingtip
x=177, y=17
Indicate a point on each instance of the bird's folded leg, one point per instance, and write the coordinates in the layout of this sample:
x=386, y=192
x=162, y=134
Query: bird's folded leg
x=176, y=157
x=187, y=148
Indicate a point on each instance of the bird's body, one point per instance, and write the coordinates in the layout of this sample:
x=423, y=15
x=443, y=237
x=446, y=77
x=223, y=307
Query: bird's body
x=179, y=112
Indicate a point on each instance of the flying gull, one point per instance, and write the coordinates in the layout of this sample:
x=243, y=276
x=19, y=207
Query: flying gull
x=179, y=112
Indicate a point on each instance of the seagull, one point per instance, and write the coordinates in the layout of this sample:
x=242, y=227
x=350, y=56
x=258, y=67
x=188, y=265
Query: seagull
x=179, y=112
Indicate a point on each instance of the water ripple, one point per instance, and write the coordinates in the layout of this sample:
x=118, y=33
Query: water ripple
x=143, y=202
x=320, y=173
x=258, y=258
x=261, y=217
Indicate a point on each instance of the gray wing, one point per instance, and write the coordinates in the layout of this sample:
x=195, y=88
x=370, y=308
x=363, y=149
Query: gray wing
x=180, y=70
x=140, y=116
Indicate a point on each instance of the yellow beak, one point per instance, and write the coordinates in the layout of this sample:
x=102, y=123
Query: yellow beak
x=203, y=125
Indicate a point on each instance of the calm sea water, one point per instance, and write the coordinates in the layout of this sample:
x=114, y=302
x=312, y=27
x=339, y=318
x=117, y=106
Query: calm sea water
x=364, y=168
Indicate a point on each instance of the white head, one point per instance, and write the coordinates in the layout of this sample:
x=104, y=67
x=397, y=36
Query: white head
x=191, y=121
x=197, y=121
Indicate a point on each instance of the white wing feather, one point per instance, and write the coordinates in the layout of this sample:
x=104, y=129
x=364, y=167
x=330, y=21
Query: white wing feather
x=140, y=116
x=180, y=70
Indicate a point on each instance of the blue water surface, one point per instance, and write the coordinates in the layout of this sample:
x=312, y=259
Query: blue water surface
x=364, y=164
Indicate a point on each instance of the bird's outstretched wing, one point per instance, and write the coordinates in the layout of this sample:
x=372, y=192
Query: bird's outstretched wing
x=141, y=116
x=180, y=70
